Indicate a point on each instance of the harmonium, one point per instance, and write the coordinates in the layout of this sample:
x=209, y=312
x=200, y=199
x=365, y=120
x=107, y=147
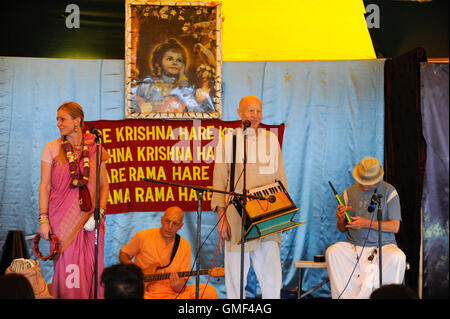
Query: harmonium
x=272, y=215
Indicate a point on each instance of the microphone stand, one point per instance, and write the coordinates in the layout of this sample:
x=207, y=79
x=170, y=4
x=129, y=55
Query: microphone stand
x=380, y=243
x=243, y=221
x=97, y=212
x=199, y=222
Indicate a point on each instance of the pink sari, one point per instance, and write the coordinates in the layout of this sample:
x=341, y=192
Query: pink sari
x=73, y=276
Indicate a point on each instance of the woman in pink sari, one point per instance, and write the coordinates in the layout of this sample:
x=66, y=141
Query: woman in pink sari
x=67, y=202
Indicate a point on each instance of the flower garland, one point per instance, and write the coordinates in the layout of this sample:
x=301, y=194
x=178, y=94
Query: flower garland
x=78, y=180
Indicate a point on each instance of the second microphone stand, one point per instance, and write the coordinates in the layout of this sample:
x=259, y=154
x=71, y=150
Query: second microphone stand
x=97, y=212
x=242, y=200
x=380, y=241
x=243, y=221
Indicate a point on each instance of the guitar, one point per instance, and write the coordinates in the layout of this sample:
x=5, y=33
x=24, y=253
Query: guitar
x=215, y=272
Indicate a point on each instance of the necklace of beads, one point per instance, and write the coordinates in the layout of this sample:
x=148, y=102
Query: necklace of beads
x=77, y=179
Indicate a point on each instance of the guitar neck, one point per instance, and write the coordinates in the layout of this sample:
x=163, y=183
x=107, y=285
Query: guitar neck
x=181, y=274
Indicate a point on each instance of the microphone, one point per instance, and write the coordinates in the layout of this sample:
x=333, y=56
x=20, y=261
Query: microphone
x=373, y=202
x=96, y=132
x=246, y=124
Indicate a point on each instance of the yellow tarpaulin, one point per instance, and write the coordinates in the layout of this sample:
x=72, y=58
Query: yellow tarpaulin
x=294, y=30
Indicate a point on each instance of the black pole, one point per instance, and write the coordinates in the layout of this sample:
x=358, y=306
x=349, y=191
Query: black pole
x=244, y=202
x=380, y=242
x=97, y=214
x=199, y=223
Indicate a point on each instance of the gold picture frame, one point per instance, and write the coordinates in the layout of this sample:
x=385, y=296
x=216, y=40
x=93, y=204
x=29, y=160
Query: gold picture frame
x=173, y=60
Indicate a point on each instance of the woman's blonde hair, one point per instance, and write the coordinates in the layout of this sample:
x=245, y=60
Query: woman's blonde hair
x=75, y=111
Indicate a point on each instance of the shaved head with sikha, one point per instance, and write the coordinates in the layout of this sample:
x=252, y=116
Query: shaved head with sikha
x=171, y=222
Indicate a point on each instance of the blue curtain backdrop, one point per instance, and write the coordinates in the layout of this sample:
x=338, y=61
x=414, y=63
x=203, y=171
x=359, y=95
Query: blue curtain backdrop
x=334, y=116
x=435, y=107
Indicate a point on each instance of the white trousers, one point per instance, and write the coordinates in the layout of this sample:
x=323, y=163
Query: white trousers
x=341, y=259
x=266, y=264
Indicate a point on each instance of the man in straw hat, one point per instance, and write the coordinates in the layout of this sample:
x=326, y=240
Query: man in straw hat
x=350, y=278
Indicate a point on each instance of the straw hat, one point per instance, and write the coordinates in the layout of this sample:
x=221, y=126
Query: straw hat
x=368, y=171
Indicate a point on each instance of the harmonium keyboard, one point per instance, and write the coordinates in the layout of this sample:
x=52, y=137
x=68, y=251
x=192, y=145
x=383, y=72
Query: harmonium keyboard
x=272, y=215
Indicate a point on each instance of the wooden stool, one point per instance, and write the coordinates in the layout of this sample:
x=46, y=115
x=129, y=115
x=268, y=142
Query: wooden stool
x=301, y=264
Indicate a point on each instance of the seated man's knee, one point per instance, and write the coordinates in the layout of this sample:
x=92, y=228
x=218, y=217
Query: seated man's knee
x=207, y=292
x=398, y=256
x=332, y=251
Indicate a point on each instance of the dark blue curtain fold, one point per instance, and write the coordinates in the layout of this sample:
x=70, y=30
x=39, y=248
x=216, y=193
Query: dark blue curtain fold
x=435, y=116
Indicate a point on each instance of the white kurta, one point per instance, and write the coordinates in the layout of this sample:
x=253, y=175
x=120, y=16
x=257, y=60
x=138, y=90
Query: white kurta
x=264, y=166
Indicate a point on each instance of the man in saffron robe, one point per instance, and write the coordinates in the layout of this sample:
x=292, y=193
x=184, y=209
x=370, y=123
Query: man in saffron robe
x=153, y=248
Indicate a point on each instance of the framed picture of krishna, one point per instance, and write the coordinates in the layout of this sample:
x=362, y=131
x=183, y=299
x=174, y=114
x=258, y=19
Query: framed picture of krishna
x=173, y=60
